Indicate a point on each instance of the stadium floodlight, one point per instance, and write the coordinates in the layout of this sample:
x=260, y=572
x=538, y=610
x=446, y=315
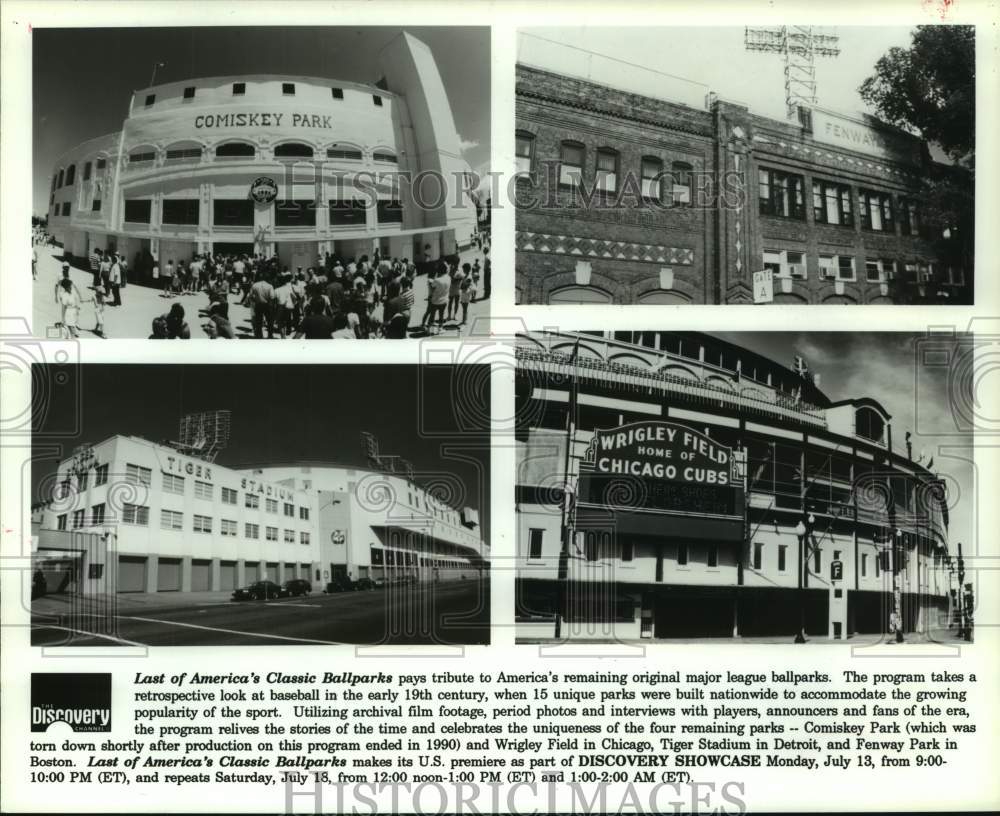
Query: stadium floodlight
x=204, y=435
x=799, y=46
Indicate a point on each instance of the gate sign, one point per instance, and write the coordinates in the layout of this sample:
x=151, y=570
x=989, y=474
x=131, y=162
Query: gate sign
x=763, y=286
x=655, y=465
x=264, y=190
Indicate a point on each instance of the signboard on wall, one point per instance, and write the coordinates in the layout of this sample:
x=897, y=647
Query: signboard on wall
x=763, y=286
x=654, y=465
x=856, y=134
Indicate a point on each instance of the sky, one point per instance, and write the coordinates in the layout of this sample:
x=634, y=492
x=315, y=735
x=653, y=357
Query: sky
x=917, y=391
x=283, y=414
x=699, y=60
x=83, y=79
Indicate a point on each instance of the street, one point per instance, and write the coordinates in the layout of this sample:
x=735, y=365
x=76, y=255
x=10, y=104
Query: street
x=424, y=614
x=141, y=304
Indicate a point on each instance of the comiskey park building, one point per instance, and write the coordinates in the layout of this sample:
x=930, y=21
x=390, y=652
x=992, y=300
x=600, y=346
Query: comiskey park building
x=674, y=485
x=633, y=198
x=131, y=515
x=354, y=168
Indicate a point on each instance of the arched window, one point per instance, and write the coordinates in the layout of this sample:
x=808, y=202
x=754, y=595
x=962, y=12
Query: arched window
x=228, y=150
x=681, y=173
x=524, y=150
x=607, y=170
x=293, y=150
x=184, y=152
x=142, y=155
x=579, y=294
x=385, y=156
x=571, y=164
x=70, y=175
x=663, y=296
x=57, y=180
x=346, y=152
x=652, y=171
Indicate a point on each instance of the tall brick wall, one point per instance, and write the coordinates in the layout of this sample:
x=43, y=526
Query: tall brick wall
x=630, y=249
x=630, y=241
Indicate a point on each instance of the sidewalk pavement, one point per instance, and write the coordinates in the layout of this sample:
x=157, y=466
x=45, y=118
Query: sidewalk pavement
x=57, y=604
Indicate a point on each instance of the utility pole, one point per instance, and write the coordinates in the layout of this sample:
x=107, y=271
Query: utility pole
x=568, y=531
x=798, y=46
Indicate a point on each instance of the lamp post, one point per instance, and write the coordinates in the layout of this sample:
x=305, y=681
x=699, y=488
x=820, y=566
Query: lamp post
x=802, y=530
x=897, y=599
x=963, y=630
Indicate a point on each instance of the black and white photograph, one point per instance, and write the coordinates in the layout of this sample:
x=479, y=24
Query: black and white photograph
x=187, y=510
x=758, y=487
x=761, y=164
x=261, y=182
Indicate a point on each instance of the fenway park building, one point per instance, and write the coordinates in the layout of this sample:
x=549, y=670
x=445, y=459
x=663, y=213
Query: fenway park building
x=675, y=485
x=629, y=199
x=131, y=515
x=353, y=167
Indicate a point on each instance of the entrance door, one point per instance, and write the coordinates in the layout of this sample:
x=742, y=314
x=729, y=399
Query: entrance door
x=294, y=254
x=232, y=248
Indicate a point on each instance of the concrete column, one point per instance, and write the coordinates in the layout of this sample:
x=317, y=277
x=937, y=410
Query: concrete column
x=152, y=568
x=215, y=578
x=186, y=574
x=241, y=567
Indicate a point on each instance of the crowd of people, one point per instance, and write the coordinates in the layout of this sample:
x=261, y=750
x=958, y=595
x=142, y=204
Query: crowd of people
x=357, y=298
x=361, y=298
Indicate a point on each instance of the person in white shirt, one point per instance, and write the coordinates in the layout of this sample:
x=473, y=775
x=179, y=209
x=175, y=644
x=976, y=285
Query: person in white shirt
x=116, y=282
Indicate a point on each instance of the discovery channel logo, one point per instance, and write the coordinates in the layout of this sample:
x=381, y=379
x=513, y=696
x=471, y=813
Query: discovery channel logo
x=82, y=701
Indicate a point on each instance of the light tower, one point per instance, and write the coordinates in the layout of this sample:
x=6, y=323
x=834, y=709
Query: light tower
x=204, y=435
x=799, y=45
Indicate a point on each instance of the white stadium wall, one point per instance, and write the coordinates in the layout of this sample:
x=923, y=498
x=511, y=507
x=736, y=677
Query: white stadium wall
x=348, y=141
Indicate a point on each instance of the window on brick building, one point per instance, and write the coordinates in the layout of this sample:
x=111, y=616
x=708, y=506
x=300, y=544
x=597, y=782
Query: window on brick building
x=837, y=267
x=832, y=204
x=570, y=164
x=879, y=270
x=681, y=174
x=523, y=149
x=876, y=211
x=607, y=170
x=909, y=218
x=781, y=194
x=785, y=263
x=652, y=171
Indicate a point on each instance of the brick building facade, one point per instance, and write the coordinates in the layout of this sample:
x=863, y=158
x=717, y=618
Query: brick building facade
x=628, y=199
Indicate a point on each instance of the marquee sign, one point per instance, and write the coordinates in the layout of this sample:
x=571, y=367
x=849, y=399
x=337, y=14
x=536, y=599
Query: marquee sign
x=653, y=465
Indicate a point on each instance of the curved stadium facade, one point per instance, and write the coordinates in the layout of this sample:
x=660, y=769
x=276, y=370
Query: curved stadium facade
x=177, y=179
x=798, y=511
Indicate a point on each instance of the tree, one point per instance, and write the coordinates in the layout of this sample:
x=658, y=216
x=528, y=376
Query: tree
x=930, y=88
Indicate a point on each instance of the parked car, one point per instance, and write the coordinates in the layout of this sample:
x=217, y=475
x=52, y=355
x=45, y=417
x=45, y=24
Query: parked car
x=260, y=591
x=298, y=586
x=339, y=584
x=365, y=583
